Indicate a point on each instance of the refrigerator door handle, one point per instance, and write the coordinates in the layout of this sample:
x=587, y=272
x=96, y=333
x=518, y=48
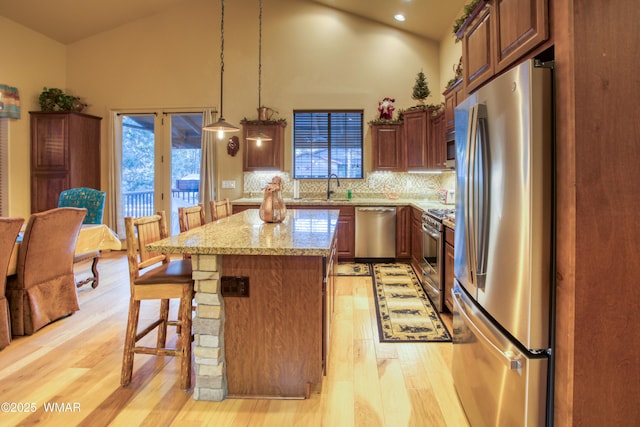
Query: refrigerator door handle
x=468, y=195
x=510, y=358
x=481, y=194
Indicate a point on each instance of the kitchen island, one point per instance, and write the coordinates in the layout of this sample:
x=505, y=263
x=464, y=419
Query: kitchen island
x=264, y=298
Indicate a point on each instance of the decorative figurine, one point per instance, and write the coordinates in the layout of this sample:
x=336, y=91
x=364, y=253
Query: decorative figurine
x=386, y=108
x=233, y=145
x=273, y=208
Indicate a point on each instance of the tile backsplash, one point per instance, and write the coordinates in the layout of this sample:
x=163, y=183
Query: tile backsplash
x=375, y=184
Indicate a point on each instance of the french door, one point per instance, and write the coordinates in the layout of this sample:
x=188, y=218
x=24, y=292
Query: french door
x=160, y=168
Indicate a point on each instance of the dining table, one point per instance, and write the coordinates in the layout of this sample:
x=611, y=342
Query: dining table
x=92, y=237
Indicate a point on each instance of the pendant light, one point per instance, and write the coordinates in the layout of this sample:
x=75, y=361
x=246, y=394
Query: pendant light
x=221, y=126
x=259, y=136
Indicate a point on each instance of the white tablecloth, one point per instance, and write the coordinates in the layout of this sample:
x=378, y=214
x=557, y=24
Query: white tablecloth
x=92, y=237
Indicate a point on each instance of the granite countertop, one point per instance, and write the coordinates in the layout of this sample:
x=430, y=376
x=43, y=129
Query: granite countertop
x=383, y=201
x=303, y=232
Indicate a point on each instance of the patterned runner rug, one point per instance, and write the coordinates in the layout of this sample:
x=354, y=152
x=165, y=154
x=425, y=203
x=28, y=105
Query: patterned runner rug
x=405, y=313
x=353, y=269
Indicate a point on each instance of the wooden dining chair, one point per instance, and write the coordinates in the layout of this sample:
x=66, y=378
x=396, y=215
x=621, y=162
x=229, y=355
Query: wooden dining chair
x=43, y=289
x=9, y=229
x=153, y=276
x=191, y=217
x=220, y=208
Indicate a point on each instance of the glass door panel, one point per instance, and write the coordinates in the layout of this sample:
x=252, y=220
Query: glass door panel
x=138, y=181
x=185, y=163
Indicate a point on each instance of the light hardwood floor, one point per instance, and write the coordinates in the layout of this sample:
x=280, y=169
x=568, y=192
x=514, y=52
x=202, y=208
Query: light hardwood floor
x=76, y=362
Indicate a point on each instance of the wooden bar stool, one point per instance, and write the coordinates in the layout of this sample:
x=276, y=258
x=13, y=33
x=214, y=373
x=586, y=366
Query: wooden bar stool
x=220, y=208
x=191, y=217
x=167, y=280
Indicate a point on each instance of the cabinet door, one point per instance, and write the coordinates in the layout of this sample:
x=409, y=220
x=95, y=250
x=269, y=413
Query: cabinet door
x=49, y=142
x=521, y=25
x=452, y=98
x=417, y=128
x=438, y=143
x=403, y=232
x=416, y=241
x=477, y=50
x=269, y=155
x=448, y=276
x=346, y=232
x=46, y=188
x=386, y=148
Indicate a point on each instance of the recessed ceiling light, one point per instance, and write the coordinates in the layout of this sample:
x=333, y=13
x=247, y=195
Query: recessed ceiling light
x=399, y=17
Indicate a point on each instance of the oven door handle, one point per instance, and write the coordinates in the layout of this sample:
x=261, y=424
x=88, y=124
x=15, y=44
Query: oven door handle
x=430, y=231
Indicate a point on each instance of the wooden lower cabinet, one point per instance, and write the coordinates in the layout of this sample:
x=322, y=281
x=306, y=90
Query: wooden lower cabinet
x=346, y=230
x=403, y=232
x=416, y=241
x=448, y=267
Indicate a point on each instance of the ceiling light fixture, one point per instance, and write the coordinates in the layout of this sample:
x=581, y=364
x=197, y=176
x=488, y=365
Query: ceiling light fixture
x=221, y=126
x=399, y=17
x=259, y=136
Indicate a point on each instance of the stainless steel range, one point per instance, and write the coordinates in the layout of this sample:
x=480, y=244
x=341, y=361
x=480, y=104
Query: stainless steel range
x=432, y=255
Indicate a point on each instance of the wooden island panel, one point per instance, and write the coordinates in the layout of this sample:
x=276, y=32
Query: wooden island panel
x=274, y=338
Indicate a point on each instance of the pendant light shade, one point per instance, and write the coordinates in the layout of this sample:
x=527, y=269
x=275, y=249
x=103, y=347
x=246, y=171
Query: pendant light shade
x=221, y=126
x=259, y=136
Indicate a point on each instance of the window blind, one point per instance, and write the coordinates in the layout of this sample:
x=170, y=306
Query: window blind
x=327, y=142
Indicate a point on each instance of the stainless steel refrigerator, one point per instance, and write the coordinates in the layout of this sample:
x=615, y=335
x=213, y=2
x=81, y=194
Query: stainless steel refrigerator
x=503, y=249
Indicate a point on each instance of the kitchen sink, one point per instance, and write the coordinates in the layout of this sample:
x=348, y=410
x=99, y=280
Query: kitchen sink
x=323, y=200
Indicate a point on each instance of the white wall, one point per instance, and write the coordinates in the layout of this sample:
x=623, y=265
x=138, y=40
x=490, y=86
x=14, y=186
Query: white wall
x=29, y=62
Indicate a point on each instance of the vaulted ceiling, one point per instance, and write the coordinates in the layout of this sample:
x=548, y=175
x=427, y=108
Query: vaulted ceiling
x=68, y=21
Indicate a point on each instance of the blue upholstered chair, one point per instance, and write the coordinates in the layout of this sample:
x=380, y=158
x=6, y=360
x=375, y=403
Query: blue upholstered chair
x=93, y=201
x=88, y=198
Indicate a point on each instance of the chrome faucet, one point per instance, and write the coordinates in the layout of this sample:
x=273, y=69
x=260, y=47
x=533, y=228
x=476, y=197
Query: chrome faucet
x=329, y=191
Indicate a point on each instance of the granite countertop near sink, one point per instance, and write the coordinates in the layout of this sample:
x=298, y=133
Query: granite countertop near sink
x=304, y=232
x=382, y=201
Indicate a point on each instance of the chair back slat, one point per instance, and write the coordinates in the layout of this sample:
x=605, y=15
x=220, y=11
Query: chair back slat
x=140, y=232
x=191, y=217
x=220, y=209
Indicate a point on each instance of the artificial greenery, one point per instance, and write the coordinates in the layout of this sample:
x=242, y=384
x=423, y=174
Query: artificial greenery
x=421, y=88
x=457, y=69
x=469, y=7
x=281, y=122
x=398, y=120
x=54, y=99
x=424, y=107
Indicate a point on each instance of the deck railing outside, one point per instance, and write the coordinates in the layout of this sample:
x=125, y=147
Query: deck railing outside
x=140, y=203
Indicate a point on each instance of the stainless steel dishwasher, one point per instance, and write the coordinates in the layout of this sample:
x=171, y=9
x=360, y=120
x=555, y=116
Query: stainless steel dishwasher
x=376, y=232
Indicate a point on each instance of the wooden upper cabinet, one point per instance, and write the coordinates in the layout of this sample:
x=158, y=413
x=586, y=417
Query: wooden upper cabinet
x=521, y=26
x=270, y=154
x=417, y=131
x=500, y=33
x=477, y=49
x=452, y=97
x=438, y=143
x=386, y=148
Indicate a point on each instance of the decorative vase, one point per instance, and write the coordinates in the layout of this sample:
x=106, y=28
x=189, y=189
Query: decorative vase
x=273, y=208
